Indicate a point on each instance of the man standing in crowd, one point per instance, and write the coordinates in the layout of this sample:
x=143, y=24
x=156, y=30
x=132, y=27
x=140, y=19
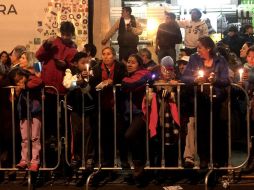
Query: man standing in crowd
x=248, y=33
x=194, y=29
x=168, y=35
x=128, y=31
x=56, y=55
x=233, y=40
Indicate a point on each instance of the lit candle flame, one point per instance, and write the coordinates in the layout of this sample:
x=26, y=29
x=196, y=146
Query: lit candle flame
x=241, y=74
x=201, y=73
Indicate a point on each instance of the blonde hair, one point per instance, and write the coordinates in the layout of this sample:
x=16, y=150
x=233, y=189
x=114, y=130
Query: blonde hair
x=31, y=59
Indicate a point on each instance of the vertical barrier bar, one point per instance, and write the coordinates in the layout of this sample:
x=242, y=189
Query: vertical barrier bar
x=163, y=162
x=13, y=128
x=83, y=130
x=131, y=107
x=229, y=129
x=211, y=126
x=43, y=127
x=179, y=134
x=147, y=126
x=29, y=132
x=195, y=124
x=66, y=130
x=58, y=129
x=99, y=127
x=114, y=97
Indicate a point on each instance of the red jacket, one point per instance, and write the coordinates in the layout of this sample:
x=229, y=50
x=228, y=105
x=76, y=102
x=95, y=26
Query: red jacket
x=48, y=55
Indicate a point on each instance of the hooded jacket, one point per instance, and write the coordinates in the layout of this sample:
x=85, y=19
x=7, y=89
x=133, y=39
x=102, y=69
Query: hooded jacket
x=193, y=30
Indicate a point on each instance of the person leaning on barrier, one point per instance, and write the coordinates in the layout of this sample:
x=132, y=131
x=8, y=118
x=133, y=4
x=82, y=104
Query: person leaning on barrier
x=76, y=80
x=26, y=81
x=128, y=31
x=135, y=134
x=6, y=151
x=169, y=111
x=208, y=66
x=247, y=81
x=107, y=73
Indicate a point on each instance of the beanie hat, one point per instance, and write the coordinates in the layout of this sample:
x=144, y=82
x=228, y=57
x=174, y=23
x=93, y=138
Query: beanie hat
x=167, y=62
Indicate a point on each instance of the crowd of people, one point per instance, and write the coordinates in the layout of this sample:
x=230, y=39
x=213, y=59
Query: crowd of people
x=80, y=75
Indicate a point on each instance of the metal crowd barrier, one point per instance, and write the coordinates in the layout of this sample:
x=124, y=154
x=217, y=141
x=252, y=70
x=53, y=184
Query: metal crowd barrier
x=211, y=167
x=116, y=166
x=43, y=166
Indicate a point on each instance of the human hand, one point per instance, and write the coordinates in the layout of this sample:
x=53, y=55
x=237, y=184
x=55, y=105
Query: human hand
x=199, y=80
x=212, y=77
x=104, y=84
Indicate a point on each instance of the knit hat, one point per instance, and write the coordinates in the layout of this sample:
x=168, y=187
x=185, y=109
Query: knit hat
x=167, y=62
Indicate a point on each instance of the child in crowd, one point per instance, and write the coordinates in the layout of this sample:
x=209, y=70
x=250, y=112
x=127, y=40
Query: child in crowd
x=171, y=121
x=76, y=79
x=28, y=82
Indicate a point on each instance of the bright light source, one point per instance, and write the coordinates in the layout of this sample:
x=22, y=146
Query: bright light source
x=152, y=25
x=201, y=73
x=240, y=74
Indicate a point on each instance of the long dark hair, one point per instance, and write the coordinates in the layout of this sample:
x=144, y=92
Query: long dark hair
x=8, y=62
x=138, y=58
x=207, y=42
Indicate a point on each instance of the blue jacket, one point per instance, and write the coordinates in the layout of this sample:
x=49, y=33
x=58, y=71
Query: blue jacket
x=220, y=69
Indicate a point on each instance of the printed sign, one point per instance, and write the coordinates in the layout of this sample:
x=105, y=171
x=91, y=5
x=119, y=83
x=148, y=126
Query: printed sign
x=30, y=22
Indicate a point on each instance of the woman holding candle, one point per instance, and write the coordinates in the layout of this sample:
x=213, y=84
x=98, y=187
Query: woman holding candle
x=206, y=66
x=247, y=80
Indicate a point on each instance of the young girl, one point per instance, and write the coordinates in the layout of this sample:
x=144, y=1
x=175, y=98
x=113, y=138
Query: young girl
x=26, y=81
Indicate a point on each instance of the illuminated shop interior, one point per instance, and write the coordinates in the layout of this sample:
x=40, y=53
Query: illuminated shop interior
x=150, y=13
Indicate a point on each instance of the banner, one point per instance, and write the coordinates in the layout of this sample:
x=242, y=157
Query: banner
x=30, y=22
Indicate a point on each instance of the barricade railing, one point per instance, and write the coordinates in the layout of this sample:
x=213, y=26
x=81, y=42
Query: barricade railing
x=178, y=87
x=42, y=153
x=116, y=160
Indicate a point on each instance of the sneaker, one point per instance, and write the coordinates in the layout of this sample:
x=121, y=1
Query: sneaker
x=21, y=165
x=188, y=163
x=34, y=167
x=75, y=165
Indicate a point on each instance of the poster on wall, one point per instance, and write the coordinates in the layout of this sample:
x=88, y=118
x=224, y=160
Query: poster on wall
x=31, y=22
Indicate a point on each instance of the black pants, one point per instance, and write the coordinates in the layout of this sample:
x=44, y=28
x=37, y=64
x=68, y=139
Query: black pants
x=136, y=137
x=77, y=134
x=126, y=51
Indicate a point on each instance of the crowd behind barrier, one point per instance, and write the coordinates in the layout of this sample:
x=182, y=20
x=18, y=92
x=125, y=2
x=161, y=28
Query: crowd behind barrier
x=167, y=158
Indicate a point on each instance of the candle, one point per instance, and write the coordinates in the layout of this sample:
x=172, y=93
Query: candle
x=87, y=69
x=201, y=73
x=241, y=74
